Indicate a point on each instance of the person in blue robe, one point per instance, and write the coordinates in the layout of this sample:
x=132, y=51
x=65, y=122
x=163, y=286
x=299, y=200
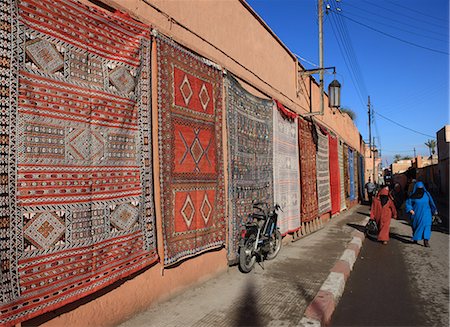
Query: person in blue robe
x=421, y=207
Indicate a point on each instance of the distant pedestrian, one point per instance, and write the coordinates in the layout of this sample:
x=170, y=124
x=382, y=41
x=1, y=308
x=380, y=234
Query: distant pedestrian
x=371, y=188
x=398, y=196
x=421, y=207
x=382, y=211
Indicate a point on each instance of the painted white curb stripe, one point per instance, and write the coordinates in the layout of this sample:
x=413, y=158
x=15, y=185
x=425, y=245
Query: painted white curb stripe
x=349, y=256
x=357, y=241
x=308, y=322
x=334, y=284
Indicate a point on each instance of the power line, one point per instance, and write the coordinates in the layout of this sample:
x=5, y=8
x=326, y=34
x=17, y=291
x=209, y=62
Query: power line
x=416, y=11
x=444, y=37
x=398, y=124
x=391, y=36
x=345, y=46
x=390, y=19
x=407, y=16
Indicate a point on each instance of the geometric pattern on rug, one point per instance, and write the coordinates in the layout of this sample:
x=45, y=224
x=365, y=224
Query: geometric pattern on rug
x=286, y=171
x=191, y=152
x=323, y=172
x=308, y=170
x=250, y=138
x=77, y=202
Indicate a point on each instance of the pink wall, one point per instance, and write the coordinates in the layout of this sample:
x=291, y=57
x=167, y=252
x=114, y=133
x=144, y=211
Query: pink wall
x=237, y=31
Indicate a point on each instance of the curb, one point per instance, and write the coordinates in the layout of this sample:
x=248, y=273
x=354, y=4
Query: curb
x=319, y=311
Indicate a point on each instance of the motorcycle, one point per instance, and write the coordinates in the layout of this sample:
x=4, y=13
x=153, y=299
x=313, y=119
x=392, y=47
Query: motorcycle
x=260, y=236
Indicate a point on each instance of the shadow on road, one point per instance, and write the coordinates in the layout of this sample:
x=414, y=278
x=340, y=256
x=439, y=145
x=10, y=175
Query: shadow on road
x=247, y=311
x=402, y=238
x=360, y=228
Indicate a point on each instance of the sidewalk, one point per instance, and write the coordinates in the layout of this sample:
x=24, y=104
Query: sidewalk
x=279, y=292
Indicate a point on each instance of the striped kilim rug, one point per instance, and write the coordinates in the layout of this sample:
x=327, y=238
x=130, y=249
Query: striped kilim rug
x=323, y=173
x=286, y=174
x=308, y=175
x=250, y=142
x=191, y=152
x=77, y=204
x=341, y=174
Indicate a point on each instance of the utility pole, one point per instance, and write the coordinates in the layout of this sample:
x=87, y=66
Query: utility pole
x=414, y=152
x=321, y=72
x=370, y=127
x=374, y=174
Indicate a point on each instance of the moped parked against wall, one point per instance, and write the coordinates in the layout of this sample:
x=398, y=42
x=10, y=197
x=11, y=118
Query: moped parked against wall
x=260, y=236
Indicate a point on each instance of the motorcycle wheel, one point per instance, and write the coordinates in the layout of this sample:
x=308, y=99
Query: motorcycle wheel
x=247, y=257
x=275, y=245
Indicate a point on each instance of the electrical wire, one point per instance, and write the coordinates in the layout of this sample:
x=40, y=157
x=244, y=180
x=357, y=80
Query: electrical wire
x=407, y=16
x=346, y=52
x=405, y=127
x=444, y=37
x=389, y=35
x=174, y=21
x=416, y=11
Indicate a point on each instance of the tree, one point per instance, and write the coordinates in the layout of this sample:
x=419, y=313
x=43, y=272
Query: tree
x=349, y=112
x=397, y=157
x=431, y=144
x=407, y=158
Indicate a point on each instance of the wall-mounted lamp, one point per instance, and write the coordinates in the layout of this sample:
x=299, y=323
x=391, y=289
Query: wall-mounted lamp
x=334, y=94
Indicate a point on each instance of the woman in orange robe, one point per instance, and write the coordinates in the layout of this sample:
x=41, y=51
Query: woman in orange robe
x=382, y=211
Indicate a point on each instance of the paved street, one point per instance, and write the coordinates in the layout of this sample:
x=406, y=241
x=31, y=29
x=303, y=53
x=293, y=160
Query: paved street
x=274, y=296
x=401, y=284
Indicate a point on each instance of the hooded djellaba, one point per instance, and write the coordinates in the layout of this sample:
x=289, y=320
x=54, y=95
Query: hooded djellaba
x=382, y=211
x=421, y=207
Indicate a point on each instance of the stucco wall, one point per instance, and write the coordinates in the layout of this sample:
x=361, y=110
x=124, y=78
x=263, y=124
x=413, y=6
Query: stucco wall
x=239, y=34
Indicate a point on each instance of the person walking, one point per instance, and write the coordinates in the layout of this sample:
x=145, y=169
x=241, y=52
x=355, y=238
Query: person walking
x=421, y=207
x=398, y=196
x=382, y=211
x=370, y=187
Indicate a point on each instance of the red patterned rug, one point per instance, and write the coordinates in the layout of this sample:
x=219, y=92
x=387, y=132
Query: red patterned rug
x=335, y=178
x=76, y=132
x=308, y=174
x=191, y=159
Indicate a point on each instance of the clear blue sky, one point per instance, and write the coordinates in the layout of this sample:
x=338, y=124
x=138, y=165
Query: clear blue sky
x=395, y=51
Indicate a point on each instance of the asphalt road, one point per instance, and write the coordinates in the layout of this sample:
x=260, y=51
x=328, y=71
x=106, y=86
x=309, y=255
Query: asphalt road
x=399, y=284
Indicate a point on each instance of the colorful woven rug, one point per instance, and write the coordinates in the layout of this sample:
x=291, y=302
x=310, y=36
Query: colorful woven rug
x=341, y=174
x=346, y=171
x=190, y=151
x=286, y=174
x=308, y=174
x=356, y=173
x=351, y=174
x=250, y=156
x=323, y=172
x=360, y=177
x=76, y=134
x=335, y=184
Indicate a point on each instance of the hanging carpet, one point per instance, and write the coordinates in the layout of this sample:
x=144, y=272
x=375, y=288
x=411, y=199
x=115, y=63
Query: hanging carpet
x=323, y=172
x=191, y=153
x=308, y=175
x=286, y=174
x=77, y=205
x=250, y=157
x=356, y=173
x=341, y=174
x=335, y=186
x=346, y=171
x=351, y=174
